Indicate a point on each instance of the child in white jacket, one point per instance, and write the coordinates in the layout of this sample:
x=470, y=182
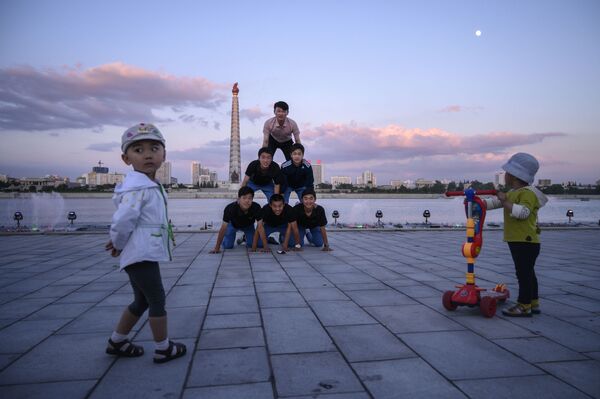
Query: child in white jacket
x=140, y=234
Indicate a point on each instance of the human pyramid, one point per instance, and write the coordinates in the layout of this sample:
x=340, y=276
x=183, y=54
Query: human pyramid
x=306, y=219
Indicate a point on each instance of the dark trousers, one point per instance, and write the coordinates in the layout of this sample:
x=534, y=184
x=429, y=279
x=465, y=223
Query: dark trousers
x=148, y=291
x=286, y=147
x=524, y=255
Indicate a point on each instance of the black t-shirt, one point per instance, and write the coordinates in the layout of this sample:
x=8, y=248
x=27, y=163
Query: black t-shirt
x=269, y=218
x=317, y=217
x=263, y=177
x=233, y=214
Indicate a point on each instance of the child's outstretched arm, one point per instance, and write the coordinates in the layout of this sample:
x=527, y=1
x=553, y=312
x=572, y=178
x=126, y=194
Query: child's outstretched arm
x=492, y=203
x=125, y=220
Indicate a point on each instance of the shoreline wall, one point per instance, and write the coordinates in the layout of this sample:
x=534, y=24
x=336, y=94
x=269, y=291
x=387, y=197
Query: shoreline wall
x=233, y=195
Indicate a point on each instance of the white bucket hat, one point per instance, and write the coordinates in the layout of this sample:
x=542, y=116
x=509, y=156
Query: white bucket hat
x=522, y=166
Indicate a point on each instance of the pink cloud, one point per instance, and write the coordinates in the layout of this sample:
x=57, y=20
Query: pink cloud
x=110, y=94
x=459, y=108
x=252, y=114
x=396, y=142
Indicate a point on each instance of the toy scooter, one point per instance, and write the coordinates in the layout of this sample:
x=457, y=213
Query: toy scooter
x=470, y=294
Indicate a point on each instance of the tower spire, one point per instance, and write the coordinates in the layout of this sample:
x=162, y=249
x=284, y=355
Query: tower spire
x=234, y=143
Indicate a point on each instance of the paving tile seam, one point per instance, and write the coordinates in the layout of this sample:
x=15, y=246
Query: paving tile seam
x=527, y=375
x=333, y=341
x=226, y=385
x=51, y=282
x=271, y=378
x=545, y=374
x=510, y=320
x=47, y=382
x=56, y=332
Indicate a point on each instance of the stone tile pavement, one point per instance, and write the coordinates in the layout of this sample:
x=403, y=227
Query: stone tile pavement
x=363, y=321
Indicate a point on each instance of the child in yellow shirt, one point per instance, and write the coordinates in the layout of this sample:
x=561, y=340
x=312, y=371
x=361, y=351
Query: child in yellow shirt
x=521, y=205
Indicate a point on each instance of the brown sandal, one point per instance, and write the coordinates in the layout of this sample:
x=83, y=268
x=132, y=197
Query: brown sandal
x=124, y=349
x=167, y=354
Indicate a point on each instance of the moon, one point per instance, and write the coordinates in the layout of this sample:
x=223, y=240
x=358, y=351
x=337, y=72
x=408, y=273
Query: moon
x=477, y=33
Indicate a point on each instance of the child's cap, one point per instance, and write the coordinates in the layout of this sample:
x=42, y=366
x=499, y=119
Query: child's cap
x=522, y=166
x=141, y=131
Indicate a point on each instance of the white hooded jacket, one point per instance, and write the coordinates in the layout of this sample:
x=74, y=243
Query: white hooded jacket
x=140, y=226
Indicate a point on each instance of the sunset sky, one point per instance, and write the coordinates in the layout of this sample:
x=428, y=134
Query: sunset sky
x=403, y=88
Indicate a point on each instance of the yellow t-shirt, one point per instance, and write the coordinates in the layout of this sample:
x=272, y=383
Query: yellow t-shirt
x=522, y=230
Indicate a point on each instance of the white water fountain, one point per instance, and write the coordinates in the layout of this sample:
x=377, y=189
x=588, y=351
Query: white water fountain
x=41, y=211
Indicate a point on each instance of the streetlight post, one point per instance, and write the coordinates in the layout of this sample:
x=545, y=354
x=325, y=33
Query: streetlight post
x=71, y=216
x=18, y=217
x=335, y=215
x=426, y=215
x=379, y=215
x=570, y=214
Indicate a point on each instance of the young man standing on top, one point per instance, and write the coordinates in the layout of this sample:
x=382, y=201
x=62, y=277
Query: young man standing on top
x=278, y=131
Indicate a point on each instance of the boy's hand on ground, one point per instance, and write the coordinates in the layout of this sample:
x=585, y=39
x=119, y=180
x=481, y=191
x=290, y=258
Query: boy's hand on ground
x=327, y=249
x=214, y=251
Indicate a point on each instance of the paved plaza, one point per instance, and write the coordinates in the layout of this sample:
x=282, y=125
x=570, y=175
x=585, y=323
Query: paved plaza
x=363, y=321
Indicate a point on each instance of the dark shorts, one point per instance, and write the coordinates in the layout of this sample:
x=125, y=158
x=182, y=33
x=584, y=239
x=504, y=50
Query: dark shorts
x=286, y=147
x=148, y=290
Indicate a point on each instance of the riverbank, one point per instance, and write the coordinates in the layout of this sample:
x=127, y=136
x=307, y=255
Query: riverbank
x=233, y=194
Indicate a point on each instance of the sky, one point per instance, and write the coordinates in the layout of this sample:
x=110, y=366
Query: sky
x=403, y=88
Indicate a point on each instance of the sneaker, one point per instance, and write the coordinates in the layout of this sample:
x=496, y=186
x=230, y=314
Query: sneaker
x=241, y=240
x=535, y=306
x=518, y=310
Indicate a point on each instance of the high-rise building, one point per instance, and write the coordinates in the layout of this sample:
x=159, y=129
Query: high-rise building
x=99, y=176
x=196, y=166
x=500, y=179
x=367, y=178
x=235, y=161
x=544, y=182
x=318, y=172
x=337, y=180
x=163, y=174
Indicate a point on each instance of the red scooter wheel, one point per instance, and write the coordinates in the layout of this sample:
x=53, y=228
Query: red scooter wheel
x=487, y=306
x=447, y=301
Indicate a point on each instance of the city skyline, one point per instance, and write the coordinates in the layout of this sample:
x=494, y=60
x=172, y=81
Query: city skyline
x=406, y=90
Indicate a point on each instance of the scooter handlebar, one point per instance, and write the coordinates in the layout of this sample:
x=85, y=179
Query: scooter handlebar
x=477, y=192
